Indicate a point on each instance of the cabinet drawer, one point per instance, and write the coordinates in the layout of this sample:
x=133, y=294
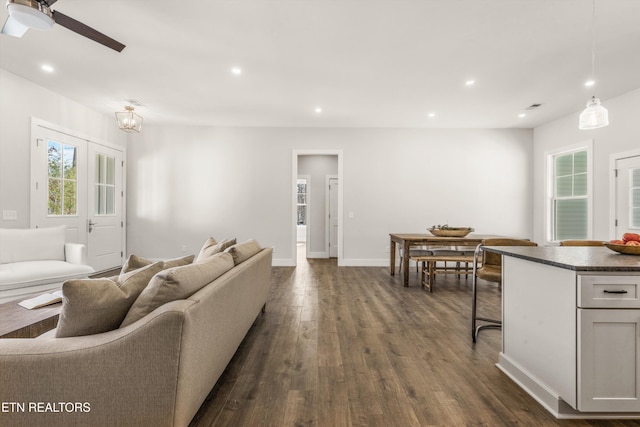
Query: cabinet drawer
x=608, y=291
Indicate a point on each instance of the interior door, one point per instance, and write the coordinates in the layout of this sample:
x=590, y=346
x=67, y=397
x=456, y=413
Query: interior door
x=333, y=217
x=58, y=193
x=105, y=208
x=627, y=196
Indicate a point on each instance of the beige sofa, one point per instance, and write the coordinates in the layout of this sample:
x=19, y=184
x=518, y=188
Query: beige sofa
x=156, y=371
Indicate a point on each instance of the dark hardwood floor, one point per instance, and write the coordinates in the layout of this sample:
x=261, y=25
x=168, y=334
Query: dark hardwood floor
x=350, y=346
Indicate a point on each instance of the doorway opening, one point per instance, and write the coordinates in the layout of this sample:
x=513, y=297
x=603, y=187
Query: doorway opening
x=317, y=216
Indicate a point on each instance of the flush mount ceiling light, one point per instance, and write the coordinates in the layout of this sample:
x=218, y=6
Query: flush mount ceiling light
x=129, y=121
x=595, y=115
x=27, y=14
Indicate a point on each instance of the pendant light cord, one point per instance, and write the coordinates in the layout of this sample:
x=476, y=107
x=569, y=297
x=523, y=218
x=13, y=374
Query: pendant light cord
x=593, y=42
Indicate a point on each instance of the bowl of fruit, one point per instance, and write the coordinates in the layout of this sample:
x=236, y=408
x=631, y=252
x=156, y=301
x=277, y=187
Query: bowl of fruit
x=628, y=245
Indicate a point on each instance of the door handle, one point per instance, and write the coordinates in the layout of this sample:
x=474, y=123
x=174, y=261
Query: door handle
x=91, y=224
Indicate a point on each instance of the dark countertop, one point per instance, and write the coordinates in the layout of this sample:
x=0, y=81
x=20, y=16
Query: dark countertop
x=577, y=258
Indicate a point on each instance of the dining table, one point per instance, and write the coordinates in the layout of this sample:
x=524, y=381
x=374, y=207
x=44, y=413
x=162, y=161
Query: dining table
x=407, y=240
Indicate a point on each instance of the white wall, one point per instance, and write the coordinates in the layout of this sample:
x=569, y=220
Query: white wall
x=623, y=134
x=20, y=100
x=186, y=183
x=317, y=167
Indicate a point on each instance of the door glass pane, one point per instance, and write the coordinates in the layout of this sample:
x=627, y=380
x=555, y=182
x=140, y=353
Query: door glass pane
x=111, y=171
x=635, y=178
x=105, y=185
x=110, y=205
x=571, y=219
x=70, y=197
x=54, y=159
x=55, y=197
x=62, y=179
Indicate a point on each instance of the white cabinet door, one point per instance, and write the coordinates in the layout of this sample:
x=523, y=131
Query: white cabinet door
x=608, y=349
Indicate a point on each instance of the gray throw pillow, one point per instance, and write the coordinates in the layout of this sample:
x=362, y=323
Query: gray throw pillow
x=93, y=306
x=134, y=262
x=177, y=283
x=243, y=251
x=211, y=247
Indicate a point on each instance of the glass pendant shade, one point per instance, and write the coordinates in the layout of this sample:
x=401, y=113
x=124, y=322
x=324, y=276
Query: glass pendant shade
x=129, y=121
x=594, y=116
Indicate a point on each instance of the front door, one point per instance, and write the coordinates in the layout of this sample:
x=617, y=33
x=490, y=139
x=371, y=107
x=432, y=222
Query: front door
x=627, y=196
x=79, y=184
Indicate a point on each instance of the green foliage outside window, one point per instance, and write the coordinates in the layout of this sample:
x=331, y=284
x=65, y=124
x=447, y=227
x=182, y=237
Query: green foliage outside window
x=62, y=179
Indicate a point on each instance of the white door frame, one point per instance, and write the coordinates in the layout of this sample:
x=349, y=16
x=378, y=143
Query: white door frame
x=327, y=205
x=35, y=123
x=613, y=158
x=294, y=177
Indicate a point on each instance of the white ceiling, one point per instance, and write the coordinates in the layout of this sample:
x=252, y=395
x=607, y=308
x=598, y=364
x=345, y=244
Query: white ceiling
x=367, y=63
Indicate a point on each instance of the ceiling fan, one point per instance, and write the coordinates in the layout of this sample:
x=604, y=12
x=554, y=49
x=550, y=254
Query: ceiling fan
x=37, y=14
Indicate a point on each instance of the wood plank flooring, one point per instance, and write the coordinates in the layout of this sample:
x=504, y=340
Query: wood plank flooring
x=350, y=346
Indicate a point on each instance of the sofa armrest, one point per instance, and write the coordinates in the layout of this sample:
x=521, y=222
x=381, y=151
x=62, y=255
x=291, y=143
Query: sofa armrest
x=123, y=377
x=75, y=253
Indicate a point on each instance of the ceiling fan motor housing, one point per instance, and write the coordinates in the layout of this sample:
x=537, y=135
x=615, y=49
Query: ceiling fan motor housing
x=31, y=13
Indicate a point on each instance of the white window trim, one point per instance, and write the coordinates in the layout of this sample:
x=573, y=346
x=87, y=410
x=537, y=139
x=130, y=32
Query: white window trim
x=549, y=186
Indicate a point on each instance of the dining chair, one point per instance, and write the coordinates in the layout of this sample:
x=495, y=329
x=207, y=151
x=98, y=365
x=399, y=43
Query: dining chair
x=581, y=243
x=488, y=266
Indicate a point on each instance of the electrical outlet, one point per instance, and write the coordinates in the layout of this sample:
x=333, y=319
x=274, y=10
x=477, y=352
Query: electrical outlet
x=386, y=249
x=184, y=248
x=274, y=249
x=8, y=215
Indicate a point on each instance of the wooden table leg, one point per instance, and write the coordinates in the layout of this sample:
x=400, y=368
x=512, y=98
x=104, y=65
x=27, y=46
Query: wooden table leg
x=405, y=262
x=392, y=257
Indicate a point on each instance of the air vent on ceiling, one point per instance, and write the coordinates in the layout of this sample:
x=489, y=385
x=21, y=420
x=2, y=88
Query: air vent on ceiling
x=533, y=106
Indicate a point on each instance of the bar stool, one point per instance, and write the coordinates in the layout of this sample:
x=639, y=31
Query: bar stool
x=491, y=271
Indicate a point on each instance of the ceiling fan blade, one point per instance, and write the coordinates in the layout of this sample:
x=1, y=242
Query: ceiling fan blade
x=85, y=30
x=14, y=28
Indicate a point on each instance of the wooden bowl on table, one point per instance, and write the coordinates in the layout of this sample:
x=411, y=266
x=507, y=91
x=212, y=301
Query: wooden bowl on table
x=450, y=231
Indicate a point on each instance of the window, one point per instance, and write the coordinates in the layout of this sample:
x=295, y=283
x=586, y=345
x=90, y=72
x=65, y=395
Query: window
x=634, y=198
x=570, y=195
x=62, y=179
x=105, y=186
x=302, y=202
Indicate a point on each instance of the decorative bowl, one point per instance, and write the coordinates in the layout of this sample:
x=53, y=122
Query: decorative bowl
x=450, y=231
x=624, y=249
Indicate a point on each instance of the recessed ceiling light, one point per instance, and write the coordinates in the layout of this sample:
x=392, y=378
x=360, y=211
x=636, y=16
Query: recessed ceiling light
x=236, y=71
x=589, y=83
x=431, y=115
x=470, y=82
x=46, y=68
x=318, y=110
x=521, y=115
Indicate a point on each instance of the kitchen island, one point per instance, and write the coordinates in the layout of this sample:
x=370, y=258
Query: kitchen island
x=571, y=328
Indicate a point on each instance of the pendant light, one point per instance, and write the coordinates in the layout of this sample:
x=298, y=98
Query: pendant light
x=595, y=115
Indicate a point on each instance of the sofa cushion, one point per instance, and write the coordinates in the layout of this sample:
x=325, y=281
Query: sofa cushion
x=177, y=283
x=32, y=244
x=33, y=273
x=243, y=251
x=134, y=262
x=93, y=306
x=211, y=247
